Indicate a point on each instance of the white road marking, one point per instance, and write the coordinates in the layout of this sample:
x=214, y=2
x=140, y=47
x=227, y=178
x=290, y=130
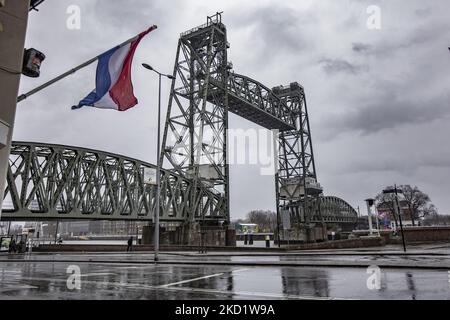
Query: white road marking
x=190, y=280
x=133, y=267
x=239, y=270
x=96, y=274
x=254, y=294
x=17, y=287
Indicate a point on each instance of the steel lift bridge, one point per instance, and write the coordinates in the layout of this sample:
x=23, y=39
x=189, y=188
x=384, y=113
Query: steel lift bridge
x=195, y=137
x=61, y=182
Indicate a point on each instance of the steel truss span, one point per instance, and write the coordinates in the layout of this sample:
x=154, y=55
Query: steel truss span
x=203, y=91
x=336, y=210
x=46, y=182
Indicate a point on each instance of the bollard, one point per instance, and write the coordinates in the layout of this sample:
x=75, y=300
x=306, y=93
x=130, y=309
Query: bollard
x=267, y=241
x=250, y=241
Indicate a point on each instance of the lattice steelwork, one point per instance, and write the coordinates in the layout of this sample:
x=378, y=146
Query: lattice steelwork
x=47, y=181
x=194, y=139
x=202, y=93
x=297, y=189
x=257, y=103
x=50, y=181
x=336, y=210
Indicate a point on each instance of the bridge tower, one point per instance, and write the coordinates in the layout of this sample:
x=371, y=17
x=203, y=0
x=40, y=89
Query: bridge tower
x=297, y=189
x=194, y=141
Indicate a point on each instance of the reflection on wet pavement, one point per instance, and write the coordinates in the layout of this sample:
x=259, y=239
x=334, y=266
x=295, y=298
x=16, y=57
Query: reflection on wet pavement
x=48, y=280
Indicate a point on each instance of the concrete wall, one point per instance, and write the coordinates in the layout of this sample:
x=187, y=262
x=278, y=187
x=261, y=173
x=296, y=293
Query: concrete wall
x=13, y=25
x=304, y=234
x=425, y=234
x=412, y=234
x=342, y=244
x=256, y=236
x=190, y=234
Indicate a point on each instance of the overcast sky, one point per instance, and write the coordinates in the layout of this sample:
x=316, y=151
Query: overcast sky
x=378, y=99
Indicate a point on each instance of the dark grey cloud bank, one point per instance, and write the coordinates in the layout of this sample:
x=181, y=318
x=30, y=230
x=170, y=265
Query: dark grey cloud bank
x=378, y=100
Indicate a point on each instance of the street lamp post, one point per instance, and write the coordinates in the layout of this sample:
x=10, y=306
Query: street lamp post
x=369, y=203
x=396, y=191
x=158, y=161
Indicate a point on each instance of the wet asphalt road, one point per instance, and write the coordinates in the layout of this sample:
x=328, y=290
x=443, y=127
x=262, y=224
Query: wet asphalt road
x=128, y=280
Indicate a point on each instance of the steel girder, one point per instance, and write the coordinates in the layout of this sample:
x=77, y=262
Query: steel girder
x=257, y=103
x=333, y=211
x=336, y=210
x=203, y=92
x=296, y=179
x=194, y=140
x=47, y=182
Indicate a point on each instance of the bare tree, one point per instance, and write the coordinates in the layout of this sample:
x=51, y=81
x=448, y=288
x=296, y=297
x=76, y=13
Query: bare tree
x=387, y=200
x=416, y=200
x=265, y=219
x=435, y=219
x=429, y=211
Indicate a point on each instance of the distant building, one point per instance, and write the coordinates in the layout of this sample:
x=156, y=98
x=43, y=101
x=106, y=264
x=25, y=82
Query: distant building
x=246, y=228
x=100, y=227
x=363, y=223
x=78, y=228
x=387, y=216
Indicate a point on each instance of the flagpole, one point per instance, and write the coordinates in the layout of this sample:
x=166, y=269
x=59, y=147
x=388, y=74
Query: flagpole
x=73, y=70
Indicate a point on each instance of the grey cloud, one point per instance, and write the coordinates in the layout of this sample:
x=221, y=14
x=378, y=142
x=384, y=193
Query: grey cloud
x=332, y=66
x=394, y=164
x=275, y=27
x=413, y=39
x=423, y=12
x=134, y=14
x=390, y=111
x=359, y=47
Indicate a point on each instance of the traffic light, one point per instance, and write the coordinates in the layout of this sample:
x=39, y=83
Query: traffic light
x=32, y=60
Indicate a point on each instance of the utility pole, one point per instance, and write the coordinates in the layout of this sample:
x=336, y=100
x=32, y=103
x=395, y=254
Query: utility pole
x=397, y=208
x=369, y=203
x=396, y=191
x=56, y=231
x=158, y=160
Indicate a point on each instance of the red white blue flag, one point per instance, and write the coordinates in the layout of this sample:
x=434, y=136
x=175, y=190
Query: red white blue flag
x=113, y=86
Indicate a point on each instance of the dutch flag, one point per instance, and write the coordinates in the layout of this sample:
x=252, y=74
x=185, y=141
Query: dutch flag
x=113, y=86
